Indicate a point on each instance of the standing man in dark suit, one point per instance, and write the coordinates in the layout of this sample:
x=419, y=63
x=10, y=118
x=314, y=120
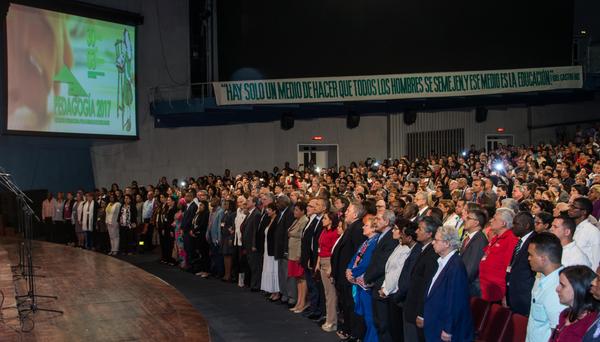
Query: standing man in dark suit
x=408, y=238
x=249, y=230
x=311, y=234
x=519, y=276
x=343, y=251
x=285, y=218
x=447, y=314
x=189, y=240
x=375, y=274
x=471, y=250
x=422, y=273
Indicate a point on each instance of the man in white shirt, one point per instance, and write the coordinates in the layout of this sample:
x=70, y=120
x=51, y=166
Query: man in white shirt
x=563, y=228
x=545, y=253
x=587, y=236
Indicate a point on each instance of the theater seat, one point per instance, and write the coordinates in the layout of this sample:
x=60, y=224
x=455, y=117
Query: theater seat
x=479, y=310
x=495, y=323
x=516, y=330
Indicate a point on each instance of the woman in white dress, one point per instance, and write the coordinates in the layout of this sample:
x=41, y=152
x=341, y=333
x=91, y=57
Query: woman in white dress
x=270, y=279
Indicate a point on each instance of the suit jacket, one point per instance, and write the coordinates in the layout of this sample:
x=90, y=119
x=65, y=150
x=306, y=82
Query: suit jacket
x=263, y=223
x=282, y=224
x=188, y=217
x=471, y=257
x=249, y=229
x=404, y=280
x=295, y=238
x=447, y=305
x=421, y=275
x=375, y=273
x=344, y=250
x=307, y=238
x=519, y=281
x=314, y=251
x=270, y=235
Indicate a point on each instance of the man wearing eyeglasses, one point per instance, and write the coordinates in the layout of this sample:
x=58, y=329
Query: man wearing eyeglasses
x=471, y=249
x=587, y=236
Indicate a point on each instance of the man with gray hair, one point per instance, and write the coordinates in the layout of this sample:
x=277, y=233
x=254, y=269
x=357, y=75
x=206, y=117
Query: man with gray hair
x=375, y=274
x=497, y=256
x=511, y=204
x=449, y=284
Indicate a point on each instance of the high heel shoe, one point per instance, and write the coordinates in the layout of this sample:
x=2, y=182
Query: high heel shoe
x=301, y=310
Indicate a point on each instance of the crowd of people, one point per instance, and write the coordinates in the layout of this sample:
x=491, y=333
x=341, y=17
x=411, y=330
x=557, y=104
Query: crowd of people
x=387, y=250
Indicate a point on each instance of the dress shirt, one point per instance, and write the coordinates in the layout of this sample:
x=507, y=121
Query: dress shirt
x=240, y=216
x=470, y=235
x=48, y=208
x=442, y=261
x=147, y=209
x=383, y=233
x=422, y=211
x=545, y=308
x=310, y=220
x=573, y=255
x=452, y=220
x=587, y=237
x=393, y=268
x=521, y=243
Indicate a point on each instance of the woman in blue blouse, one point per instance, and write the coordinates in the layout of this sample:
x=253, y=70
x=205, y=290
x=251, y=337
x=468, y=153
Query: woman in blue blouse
x=355, y=272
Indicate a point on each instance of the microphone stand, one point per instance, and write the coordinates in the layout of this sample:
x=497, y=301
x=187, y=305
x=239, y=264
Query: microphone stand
x=26, y=216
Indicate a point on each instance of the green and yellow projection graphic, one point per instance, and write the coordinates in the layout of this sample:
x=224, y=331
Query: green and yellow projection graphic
x=69, y=74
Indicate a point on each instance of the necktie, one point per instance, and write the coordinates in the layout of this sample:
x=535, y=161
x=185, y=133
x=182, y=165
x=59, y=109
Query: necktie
x=464, y=244
x=517, y=248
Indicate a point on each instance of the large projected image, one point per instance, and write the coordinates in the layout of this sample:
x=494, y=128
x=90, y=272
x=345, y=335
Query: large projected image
x=69, y=74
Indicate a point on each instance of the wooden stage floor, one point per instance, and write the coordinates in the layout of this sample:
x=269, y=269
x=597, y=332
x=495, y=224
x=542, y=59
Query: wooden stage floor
x=103, y=299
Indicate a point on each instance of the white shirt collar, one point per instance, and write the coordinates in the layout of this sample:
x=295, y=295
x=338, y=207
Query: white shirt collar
x=442, y=261
x=526, y=236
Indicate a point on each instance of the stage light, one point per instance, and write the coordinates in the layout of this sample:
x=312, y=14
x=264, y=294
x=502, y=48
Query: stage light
x=464, y=153
x=182, y=184
x=499, y=166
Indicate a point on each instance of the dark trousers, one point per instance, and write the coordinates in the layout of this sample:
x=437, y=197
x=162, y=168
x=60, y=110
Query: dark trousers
x=102, y=241
x=240, y=262
x=48, y=228
x=89, y=240
x=352, y=324
x=57, y=234
x=381, y=317
x=255, y=267
x=314, y=293
x=204, y=250
x=147, y=236
x=166, y=246
x=127, y=239
x=395, y=321
x=191, y=251
x=217, y=266
x=70, y=235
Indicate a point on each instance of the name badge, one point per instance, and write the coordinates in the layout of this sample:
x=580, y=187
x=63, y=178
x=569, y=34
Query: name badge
x=508, y=269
